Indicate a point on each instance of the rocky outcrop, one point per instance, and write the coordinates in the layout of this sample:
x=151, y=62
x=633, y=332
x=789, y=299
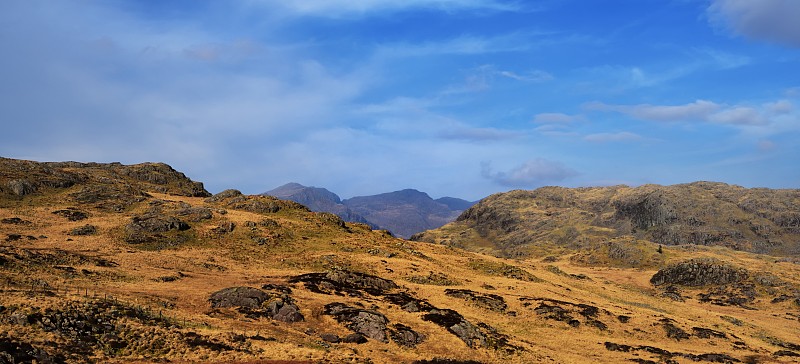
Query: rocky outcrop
x=518, y=223
x=370, y=323
x=100, y=181
x=234, y=199
x=699, y=272
x=253, y=302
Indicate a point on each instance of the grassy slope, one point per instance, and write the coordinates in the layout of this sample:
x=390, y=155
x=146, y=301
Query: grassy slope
x=210, y=261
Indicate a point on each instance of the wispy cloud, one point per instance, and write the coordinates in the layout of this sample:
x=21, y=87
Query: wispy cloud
x=339, y=8
x=478, y=134
x=695, y=111
x=623, y=136
x=703, y=111
x=556, y=118
x=532, y=173
x=771, y=20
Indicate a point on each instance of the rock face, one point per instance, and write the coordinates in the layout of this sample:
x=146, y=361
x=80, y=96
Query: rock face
x=699, y=272
x=101, y=181
x=516, y=223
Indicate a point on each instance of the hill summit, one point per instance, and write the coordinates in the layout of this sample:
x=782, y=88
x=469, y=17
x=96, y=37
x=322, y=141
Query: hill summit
x=520, y=223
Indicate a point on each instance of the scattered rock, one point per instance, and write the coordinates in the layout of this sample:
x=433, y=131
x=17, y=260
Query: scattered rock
x=369, y=323
x=15, y=221
x=408, y=303
x=150, y=226
x=12, y=351
x=13, y=237
x=434, y=278
x=71, y=214
x=780, y=353
x=491, y=302
x=458, y=326
x=331, y=338
x=705, y=333
x=405, y=336
x=355, y=338
x=224, y=228
x=666, y=356
x=565, y=311
x=283, y=309
x=345, y=281
x=83, y=230
x=734, y=295
x=672, y=293
x=246, y=297
x=673, y=332
x=195, y=214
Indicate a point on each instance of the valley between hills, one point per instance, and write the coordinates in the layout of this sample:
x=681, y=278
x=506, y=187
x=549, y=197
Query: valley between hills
x=112, y=263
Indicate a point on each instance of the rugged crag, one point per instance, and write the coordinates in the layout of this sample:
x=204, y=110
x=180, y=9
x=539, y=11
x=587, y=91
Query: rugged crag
x=519, y=223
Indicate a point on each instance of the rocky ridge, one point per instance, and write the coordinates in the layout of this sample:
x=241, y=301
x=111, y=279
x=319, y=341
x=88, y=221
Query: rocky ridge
x=520, y=223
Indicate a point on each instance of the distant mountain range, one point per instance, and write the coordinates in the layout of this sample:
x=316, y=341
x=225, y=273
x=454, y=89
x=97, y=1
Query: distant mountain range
x=404, y=212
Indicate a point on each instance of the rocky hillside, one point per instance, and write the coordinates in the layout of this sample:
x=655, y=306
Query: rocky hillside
x=520, y=223
x=403, y=213
x=317, y=199
x=136, y=264
x=406, y=212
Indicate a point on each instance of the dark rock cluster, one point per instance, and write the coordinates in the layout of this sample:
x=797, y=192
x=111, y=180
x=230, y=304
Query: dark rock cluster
x=699, y=272
x=253, y=302
x=567, y=312
x=487, y=301
x=667, y=356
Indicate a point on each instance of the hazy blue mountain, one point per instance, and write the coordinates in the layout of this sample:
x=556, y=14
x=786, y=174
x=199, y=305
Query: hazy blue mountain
x=404, y=212
x=317, y=199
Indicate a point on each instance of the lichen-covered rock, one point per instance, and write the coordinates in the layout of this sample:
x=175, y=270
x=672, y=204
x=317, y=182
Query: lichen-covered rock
x=405, y=336
x=699, y=272
x=71, y=214
x=369, y=323
x=487, y=301
x=83, y=230
x=247, y=297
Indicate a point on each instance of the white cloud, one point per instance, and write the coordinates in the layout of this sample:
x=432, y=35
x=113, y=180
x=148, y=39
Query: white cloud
x=478, y=134
x=339, y=8
x=697, y=111
x=623, y=136
x=738, y=116
x=532, y=76
x=772, y=20
x=779, y=107
x=532, y=173
x=763, y=120
x=556, y=118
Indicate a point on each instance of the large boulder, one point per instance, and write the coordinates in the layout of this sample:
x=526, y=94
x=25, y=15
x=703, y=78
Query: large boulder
x=247, y=297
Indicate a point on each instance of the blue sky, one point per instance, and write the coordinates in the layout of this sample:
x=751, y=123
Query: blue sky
x=461, y=98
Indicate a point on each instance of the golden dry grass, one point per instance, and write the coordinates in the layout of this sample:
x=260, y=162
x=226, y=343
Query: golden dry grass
x=211, y=262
